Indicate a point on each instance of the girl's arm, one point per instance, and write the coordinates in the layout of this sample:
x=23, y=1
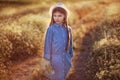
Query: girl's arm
x=71, y=46
x=48, y=44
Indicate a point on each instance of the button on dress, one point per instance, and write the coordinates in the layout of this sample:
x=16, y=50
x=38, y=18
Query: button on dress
x=54, y=51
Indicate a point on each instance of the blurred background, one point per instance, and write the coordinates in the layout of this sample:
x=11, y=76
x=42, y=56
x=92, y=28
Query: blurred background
x=96, y=39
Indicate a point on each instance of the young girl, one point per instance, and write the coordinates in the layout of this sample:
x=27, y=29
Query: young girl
x=58, y=44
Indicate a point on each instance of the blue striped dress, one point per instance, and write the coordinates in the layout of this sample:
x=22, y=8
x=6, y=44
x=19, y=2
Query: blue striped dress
x=54, y=51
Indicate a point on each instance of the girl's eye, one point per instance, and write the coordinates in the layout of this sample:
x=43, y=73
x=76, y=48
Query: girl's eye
x=59, y=15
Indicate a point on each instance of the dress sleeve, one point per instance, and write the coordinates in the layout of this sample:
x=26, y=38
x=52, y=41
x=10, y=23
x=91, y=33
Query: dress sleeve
x=48, y=44
x=71, y=46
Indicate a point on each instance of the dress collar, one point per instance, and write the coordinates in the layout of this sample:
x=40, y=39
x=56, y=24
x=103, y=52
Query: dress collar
x=59, y=25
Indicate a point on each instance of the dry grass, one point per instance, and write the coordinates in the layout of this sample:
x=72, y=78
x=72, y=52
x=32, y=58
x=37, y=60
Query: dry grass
x=104, y=61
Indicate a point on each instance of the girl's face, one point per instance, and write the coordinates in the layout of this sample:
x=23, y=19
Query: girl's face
x=58, y=17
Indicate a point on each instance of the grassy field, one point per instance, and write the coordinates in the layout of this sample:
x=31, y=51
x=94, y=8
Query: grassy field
x=96, y=31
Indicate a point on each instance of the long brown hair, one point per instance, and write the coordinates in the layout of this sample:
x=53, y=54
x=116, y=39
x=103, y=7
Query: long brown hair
x=63, y=11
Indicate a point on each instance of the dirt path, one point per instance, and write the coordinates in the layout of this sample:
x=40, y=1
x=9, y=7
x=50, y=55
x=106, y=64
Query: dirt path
x=28, y=70
x=80, y=59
